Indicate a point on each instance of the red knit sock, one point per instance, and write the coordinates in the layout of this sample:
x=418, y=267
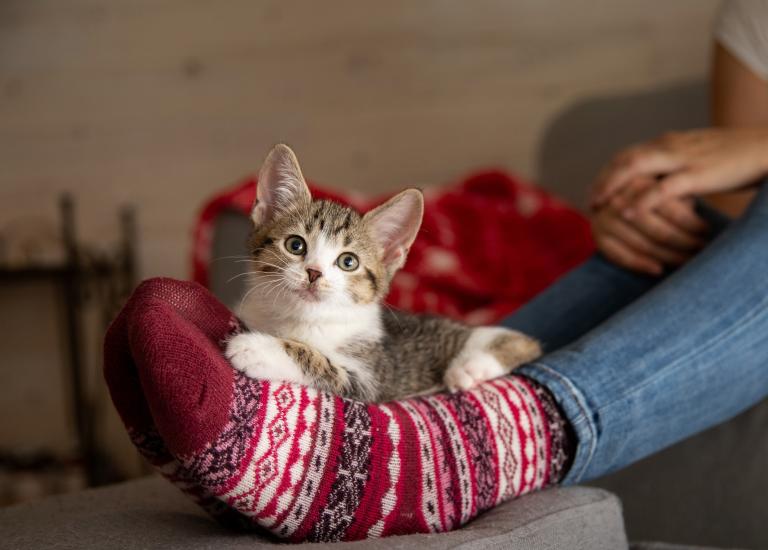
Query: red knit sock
x=310, y=466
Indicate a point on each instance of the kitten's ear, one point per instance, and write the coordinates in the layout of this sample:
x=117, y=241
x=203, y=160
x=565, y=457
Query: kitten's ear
x=394, y=226
x=281, y=186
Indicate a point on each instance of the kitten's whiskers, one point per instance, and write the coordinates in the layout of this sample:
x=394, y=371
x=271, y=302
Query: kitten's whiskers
x=241, y=275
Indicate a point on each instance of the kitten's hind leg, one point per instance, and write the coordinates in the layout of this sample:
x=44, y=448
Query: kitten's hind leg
x=488, y=353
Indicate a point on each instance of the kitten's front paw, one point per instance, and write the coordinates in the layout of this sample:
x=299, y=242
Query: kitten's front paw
x=466, y=372
x=263, y=357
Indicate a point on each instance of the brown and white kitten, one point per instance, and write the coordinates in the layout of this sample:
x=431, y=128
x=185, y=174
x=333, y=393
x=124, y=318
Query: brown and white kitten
x=314, y=305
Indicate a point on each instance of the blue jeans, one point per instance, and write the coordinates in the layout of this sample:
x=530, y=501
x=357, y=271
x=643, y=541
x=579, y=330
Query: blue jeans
x=638, y=363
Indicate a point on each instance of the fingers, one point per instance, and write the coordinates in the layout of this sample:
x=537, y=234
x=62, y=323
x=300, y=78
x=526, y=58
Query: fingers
x=630, y=247
x=623, y=255
x=646, y=245
x=667, y=234
x=682, y=214
x=667, y=189
x=624, y=198
x=679, y=212
x=648, y=239
x=653, y=224
x=647, y=160
x=695, y=161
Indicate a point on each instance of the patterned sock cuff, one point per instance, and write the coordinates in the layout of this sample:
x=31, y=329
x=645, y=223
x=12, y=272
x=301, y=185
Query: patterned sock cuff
x=562, y=436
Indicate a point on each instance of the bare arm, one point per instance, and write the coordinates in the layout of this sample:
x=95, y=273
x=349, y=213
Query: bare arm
x=739, y=99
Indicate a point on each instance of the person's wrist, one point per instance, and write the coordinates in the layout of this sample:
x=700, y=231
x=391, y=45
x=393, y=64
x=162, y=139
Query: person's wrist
x=762, y=150
x=757, y=145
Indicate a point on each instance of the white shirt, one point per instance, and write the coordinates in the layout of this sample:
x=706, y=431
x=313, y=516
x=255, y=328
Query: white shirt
x=741, y=27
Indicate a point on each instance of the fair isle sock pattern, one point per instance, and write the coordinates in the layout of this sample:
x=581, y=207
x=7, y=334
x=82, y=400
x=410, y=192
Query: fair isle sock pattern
x=311, y=466
x=561, y=435
x=305, y=465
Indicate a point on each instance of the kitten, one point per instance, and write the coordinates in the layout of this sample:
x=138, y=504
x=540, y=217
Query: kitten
x=314, y=305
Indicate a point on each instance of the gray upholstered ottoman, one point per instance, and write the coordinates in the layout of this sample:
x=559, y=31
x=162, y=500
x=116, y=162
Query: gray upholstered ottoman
x=151, y=513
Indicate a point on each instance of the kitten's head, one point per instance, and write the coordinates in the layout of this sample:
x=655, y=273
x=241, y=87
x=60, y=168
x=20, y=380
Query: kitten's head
x=316, y=254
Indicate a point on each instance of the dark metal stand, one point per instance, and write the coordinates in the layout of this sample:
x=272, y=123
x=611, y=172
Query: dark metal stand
x=85, y=277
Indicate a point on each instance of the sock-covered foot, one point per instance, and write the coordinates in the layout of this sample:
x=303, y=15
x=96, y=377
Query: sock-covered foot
x=305, y=465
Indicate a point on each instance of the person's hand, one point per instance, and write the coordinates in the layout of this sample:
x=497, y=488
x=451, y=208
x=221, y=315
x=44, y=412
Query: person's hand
x=684, y=164
x=666, y=236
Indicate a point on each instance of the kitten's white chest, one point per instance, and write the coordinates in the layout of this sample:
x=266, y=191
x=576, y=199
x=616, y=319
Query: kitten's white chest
x=327, y=331
x=325, y=338
x=334, y=333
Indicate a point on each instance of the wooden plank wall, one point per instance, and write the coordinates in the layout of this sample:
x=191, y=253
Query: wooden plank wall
x=161, y=102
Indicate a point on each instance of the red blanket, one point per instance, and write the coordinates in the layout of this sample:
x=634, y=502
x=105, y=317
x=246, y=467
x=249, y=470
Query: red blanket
x=488, y=244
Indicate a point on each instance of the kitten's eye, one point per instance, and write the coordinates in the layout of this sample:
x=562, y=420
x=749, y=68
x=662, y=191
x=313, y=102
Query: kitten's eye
x=347, y=261
x=295, y=245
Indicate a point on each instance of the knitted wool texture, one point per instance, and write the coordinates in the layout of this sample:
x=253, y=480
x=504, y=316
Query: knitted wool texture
x=304, y=465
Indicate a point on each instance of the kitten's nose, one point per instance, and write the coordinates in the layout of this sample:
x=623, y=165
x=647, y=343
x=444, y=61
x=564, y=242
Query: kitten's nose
x=313, y=274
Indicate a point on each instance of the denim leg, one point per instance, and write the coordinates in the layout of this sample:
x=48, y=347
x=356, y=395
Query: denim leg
x=690, y=353
x=579, y=301
x=589, y=294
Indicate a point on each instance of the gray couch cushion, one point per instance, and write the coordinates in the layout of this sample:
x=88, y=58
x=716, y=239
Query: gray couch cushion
x=150, y=513
x=665, y=546
x=708, y=490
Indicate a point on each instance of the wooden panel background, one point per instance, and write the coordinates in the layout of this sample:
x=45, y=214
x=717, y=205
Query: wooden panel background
x=160, y=103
